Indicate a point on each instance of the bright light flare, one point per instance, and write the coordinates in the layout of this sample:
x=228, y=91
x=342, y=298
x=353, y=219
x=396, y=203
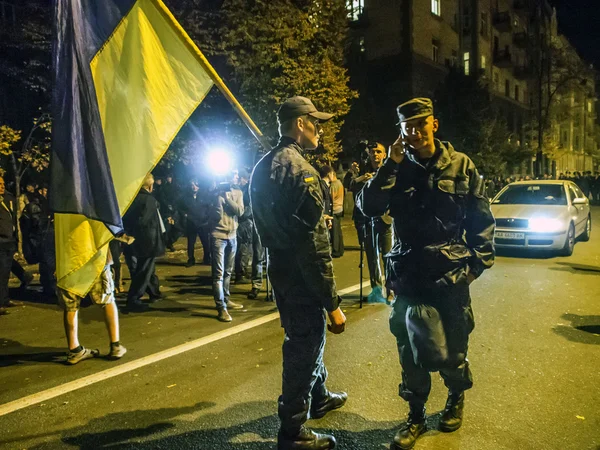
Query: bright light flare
x=545, y=225
x=219, y=162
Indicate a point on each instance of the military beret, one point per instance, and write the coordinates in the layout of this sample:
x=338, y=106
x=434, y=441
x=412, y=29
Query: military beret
x=414, y=109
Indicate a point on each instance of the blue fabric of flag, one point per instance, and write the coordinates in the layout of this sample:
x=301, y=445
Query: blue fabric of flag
x=81, y=178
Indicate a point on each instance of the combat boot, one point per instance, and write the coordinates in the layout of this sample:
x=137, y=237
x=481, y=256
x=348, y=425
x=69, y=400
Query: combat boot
x=453, y=412
x=334, y=400
x=415, y=426
x=305, y=439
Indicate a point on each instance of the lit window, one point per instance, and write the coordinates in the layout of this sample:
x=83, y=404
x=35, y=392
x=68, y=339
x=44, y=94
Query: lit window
x=355, y=8
x=435, y=50
x=589, y=106
x=466, y=63
x=483, y=62
x=436, y=7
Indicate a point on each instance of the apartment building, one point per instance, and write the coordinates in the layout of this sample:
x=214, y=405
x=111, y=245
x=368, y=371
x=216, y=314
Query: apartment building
x=406, y=48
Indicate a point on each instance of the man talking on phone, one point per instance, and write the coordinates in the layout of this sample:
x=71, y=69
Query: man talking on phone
x=445, y=230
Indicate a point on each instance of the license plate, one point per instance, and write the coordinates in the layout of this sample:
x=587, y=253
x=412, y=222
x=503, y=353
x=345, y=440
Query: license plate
x=505, y=235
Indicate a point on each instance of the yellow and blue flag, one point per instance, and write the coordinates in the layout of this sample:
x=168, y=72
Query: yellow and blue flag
x=127, y=77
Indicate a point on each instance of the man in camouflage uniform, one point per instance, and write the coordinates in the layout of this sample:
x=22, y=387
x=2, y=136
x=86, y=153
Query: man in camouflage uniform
x=287, y=204
x=445, y=229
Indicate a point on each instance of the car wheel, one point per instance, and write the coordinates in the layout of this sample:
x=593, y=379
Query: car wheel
x=567, y=250
x=585, y=236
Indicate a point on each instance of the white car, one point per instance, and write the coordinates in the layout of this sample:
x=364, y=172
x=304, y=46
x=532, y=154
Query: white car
x=541, y=215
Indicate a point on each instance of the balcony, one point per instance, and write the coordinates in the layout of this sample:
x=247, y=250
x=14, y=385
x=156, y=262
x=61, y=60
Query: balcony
x=503, y=22
x=520, y=40
x=523, y=72
x=503, y=59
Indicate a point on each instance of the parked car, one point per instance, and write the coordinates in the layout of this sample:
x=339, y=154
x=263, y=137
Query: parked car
x=541, y=215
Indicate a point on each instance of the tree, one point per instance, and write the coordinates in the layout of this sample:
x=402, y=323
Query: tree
x=268, y=50
x=25, y=60
x=33, y=154
x=470, y=122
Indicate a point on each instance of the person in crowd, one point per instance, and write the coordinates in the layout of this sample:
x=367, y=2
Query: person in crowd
x=445, y=232
x=336, y=195
x=143, y=222
x=243, y=255
x=101, y=293
x=226, y=208
x=374, y=232
x=8, y=244
x=287, y=206
x=168, y=199
x=195, y=208
x=116, y=248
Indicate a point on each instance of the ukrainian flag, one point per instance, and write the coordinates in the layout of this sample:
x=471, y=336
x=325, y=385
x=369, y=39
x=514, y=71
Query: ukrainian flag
x=127, y=77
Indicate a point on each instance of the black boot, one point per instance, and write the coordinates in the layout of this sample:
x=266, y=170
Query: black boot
x=453, y=412
x=334, y=400
x=415, y=426
x=305, y=439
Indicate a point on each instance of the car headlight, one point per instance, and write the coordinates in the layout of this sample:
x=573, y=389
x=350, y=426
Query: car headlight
x=545, y=225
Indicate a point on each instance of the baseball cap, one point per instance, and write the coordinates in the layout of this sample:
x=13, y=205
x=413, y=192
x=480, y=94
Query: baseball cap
x=299, y=106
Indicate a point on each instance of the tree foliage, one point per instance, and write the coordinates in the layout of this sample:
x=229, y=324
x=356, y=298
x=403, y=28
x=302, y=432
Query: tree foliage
x=470, y=122
x=269, y=50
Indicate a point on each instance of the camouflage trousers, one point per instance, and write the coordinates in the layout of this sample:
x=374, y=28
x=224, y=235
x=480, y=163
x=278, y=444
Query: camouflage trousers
x=454, y=305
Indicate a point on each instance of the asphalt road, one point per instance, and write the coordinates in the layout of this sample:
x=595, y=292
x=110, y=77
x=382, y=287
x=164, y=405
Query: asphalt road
x=535, y=355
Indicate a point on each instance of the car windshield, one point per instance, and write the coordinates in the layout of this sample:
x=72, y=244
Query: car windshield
x=533, y=194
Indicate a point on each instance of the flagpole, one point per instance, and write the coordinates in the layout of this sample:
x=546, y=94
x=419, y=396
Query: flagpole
x=214, y=76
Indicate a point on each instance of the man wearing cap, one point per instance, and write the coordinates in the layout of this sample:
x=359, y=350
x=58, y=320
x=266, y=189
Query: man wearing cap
x=445, y=230
x=287, y=204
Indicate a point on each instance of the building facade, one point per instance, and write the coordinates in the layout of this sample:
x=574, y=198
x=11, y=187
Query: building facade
x=406, y=48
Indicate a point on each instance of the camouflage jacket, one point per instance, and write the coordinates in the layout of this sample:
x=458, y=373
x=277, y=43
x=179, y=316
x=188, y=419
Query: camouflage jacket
x=442, y=219
x=287, y=206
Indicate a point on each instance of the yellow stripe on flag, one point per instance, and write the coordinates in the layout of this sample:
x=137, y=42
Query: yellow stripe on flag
x=148, y=82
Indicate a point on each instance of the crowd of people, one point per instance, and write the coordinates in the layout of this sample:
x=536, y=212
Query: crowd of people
x=422, y=215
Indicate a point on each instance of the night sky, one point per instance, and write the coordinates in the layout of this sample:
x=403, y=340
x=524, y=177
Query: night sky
x=579, y=21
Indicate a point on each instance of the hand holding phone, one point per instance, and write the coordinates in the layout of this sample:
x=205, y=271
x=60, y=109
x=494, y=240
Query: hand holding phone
x=397, y=149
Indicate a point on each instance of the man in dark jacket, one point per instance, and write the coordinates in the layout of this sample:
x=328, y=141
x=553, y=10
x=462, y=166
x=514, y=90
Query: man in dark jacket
x=8, y=243
x=445, y=229
x=144, y=223
x=287, y=205
x=243, y=255
x=195, y=206
x=374, y=232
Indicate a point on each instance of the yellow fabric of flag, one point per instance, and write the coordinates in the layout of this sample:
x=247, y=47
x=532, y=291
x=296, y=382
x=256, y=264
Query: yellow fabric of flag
x=148, y=81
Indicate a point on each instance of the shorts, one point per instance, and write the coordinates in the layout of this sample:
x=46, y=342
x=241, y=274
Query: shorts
x=102, y=293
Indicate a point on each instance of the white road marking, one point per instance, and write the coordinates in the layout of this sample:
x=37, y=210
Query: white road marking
x=71, y=386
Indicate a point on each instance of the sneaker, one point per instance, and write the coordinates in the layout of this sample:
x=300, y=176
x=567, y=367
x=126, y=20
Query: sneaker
x=116, y=352
x=85, y=353
x=136, y=306
x=376, y=296
x=233, y=305
x=224, y=316
x=13, y=303
x=253, y=294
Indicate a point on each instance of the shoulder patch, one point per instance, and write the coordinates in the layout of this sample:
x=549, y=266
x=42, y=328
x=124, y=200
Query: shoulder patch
x=309, y=178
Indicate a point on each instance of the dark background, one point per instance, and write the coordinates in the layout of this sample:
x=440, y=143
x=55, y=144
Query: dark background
x=579, y=21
